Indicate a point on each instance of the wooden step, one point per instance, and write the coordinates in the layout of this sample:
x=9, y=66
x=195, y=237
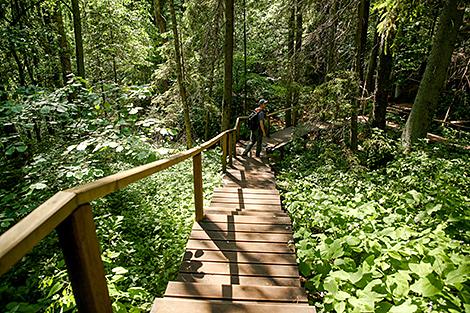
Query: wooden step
x=240, y=246
x=247, y=219
x=246, y=191
x=221, y=279
x=236, y=212
x=172, y=305
x=242, y=200
x=246, y=206
x=238, y=269
x=233, y=236
x=240, y=257
x=259, y=228
x=235, y=292
x=246, y=196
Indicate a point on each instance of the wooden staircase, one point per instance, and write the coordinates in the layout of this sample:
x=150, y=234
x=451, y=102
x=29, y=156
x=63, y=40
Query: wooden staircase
x=240, y=257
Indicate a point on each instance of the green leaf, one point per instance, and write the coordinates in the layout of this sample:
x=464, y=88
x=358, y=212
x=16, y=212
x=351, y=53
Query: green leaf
x=38, y=186
x=405, y=307
x=21, y=148
x=119, y=270
x=10, y=150
x=421, y=269
x=57, y=286
x=459, y=275
x=427, y=286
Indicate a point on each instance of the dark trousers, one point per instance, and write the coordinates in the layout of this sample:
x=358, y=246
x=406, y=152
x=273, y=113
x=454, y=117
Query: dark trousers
x=256, y=137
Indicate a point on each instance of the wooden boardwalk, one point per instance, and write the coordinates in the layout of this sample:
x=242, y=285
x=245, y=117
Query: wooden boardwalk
x=240, y=257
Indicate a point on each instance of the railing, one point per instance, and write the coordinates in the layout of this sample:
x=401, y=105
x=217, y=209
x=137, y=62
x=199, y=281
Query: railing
x=70, y=213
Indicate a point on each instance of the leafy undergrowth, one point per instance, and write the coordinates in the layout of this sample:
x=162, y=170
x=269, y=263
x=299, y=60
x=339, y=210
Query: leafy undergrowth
x=142, y=230
x=390, y=239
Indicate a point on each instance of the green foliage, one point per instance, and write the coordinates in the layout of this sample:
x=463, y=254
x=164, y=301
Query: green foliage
x=78, y=135
x=392, y=239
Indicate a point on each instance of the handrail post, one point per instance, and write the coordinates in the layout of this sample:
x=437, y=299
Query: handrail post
x=223, y=143
x=229, y=148
x=77, y=237
x=198, y=187
x=234, y=143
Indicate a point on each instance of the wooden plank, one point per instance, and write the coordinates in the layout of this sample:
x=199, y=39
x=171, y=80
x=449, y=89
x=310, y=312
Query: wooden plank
x=198, y=186
x=236, y=292
x=240, y=257
x=246, y=196
x=238, y=280
x=246, y=219
x=242, y=206
x=252, y=237
x=246, y=213
x=246, y=191
x=172, y=305
x=260, y=228
x=24, y=235
x=240, y=246
x=235, y=212
x=77, y=237
x=239, y=269
x=239, y=201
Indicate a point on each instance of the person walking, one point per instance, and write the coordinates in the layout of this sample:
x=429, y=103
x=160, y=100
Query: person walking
x=256, y=124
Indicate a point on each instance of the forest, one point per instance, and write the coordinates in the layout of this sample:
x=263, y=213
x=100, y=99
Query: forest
x=379, y=199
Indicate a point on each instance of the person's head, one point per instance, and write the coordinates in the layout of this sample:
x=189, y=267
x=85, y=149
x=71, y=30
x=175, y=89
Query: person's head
x=262, y=103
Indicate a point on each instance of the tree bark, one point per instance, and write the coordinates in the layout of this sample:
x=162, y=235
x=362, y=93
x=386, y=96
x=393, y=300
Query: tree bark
x=179, y=73
x=361, y=40
x=297, y=60
x=372, y=63
x=290, y=58
x=160, y=21
x=77, y=29
x=244, y=59
x=64, y=48
x=434, y=77
x=383, y=82
x=228, y=76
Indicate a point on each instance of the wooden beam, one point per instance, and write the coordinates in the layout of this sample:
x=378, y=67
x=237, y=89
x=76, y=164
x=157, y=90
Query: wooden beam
x=24, y=235
x=77, y=236
x=198, y=187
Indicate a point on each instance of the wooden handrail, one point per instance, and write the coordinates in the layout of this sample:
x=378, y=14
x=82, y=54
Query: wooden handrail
x=69, y=212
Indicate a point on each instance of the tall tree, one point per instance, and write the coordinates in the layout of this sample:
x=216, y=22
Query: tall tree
x=290, y=60
x=64, y=49
x=384, y=80
x=434, y=77
x=228, y=75
x=297, y=59
x=372, y=63
x=361, y=40
x=77, y=29
x=179, y=73
x=160, y=21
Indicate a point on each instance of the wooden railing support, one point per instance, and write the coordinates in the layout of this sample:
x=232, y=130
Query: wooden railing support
x=223, y=143
x=77, y=236
x=198, y=187
x=230, y=149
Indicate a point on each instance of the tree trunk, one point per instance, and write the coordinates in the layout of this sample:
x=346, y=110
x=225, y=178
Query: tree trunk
x=383, y=82
x=361, y=40
x=332, y=50
x=160, y=21
x=297, y=60
x=434, y=77
x=244, y=59
x=77, y=29
x=179, y=72
x=372, y=64
x=64, y=48
x=228, y=77
x=19, y=64
x=290, y=58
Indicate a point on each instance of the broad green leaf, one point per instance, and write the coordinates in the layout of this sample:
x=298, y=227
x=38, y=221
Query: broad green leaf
x=57, y=286
x=459, y=275
x=421, y=269
x=119, y=270
x=405, y=307
x=38, y=186
x=340, y=307
x=427, y=286
x=330, y=285
x=82, y=146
